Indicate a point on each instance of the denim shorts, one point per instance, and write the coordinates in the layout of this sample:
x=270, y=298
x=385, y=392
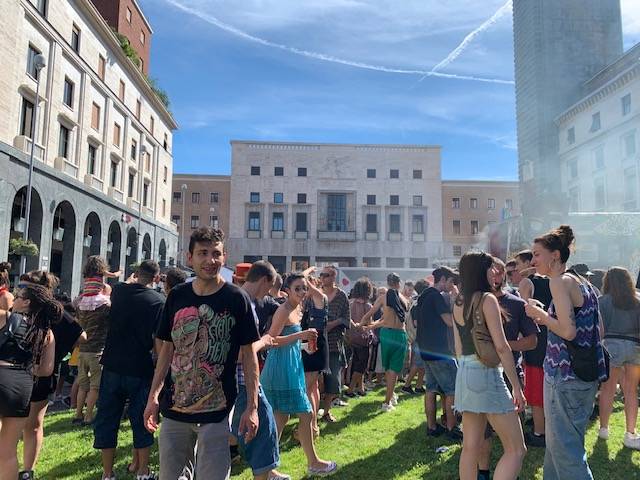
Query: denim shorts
x=262, y=453
x=441, y=376
x=481, y=389
x=622, y=352
x=115, y=390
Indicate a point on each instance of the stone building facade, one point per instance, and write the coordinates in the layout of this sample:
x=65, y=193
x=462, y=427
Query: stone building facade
x=199, y=200
x=103, y=162
x=297, y=204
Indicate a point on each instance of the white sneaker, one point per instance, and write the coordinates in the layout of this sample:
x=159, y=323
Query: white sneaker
x=387, y=407
x=394, y=400
x=631, y=440
x=603, y=433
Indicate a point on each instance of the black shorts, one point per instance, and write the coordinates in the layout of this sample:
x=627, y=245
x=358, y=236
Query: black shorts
x=360, y=359
x=16, y=385
x=43, y=387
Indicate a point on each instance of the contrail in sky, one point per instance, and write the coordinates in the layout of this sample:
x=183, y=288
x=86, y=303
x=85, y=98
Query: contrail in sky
x=329, y=58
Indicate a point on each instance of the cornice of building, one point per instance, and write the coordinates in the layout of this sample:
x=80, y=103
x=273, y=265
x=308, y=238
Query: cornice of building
x=318, y=145
x=481, y=183
x=200, y=177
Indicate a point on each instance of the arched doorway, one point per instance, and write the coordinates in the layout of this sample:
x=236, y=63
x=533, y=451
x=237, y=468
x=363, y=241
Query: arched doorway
x=146, y=247
x=62, y=244
x=131, y=257
x=18, y=224
x=114, y=246
x=91, y=237
x=162, y=254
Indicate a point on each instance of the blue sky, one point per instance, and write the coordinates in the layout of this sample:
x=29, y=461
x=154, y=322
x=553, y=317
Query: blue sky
x=344, y=71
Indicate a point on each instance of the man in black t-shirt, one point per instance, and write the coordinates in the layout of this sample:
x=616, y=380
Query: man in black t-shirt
x=127, y=367
x=205, y=324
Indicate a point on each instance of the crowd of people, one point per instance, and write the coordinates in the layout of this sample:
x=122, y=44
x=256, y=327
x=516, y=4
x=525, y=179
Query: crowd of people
x=226, y=364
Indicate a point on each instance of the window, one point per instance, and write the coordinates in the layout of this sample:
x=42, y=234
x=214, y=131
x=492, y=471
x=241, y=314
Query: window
x=278, y=171
x=337, y=212
x=573, y=168
x=302, y=198
x=571, y=136
x=630, y=188
x=177, y=197
x=372, y=223
x=629, y=145
x=254, y=197
x=394, y=173
x=301, y=221
x=395, y=262
x=574, y=199
x=134, y=149
x=417, y=174
x=132, y=181
x=102, y=66
x=113, y=177
x=302, y=171
x=75, y=38
x=214, y=197
x=394, y=200
x=278, y=197
x=595, y=122
x=473, y=203
x=26, y=118
x=147, y=162
x=195, y=197
x=116, y=134
x=417, y=224
x=508, y=204
x=142, y=37
x=475, y=229
x=456, y=227
x=41, y=5
x=417, y=200
x=95, y=117
x=67, y=96
x=255, y=171
x=418, y=262
x=254, y=221
x=165, y=143
x=457, y=251
x=31, y=62
x=138, y=109
x=455, y=203
x=128, y=15
x=598, y=157
x=121, y=90
x=145, y=194
x=213, y=221
x=165, y=174
x=394, y=223
x=372, y=262
x=195, y=221
x=491, y=204
x=277, y=222
x=371, y=173
x=63, y=144
x=600, y=194
x=152, y=124
x=371, y=199
x=626, y=104
x=91, y=160
x=141, y=65
x=176, y=219
x=164, y=207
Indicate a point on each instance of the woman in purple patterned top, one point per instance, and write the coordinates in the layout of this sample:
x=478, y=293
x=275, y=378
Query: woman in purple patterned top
x=572, y=317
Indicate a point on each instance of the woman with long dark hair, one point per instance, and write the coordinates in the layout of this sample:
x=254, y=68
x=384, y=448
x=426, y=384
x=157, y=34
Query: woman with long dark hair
x=360, y=337
x=620, y=312
x=481, y=392
x=27, y=350
x=572, y=320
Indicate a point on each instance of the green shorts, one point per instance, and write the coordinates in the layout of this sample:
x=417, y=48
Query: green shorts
x=393, y=346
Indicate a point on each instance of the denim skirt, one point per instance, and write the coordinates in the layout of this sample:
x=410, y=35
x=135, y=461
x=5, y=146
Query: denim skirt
x=481, y=389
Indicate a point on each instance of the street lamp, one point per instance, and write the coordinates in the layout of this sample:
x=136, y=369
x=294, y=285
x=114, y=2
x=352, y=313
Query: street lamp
x=183, y=188
x=39, y=62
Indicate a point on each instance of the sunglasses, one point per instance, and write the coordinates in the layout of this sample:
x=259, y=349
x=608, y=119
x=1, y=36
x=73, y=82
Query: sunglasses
x=324, y=274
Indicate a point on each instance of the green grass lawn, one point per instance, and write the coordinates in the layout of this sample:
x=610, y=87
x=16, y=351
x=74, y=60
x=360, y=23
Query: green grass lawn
x=366, y=444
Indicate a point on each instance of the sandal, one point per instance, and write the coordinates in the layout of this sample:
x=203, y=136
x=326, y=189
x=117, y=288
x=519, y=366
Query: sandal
x=328, y=417
x=330, y=469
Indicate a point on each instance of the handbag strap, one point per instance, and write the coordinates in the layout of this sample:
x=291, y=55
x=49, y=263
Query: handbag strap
x=476, y=302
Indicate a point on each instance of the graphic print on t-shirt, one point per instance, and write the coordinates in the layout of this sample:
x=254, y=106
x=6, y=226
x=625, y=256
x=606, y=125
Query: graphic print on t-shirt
x=202, y=340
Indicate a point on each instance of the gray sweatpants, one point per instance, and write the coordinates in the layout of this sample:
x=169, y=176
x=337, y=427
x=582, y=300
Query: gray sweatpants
x=177, y=441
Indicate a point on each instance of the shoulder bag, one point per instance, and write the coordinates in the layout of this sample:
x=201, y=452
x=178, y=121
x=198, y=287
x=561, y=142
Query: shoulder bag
x=482, y=341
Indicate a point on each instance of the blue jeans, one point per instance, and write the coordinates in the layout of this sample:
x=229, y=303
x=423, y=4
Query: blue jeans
x=567, y=408
x=262, y=453
x=115, y=390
